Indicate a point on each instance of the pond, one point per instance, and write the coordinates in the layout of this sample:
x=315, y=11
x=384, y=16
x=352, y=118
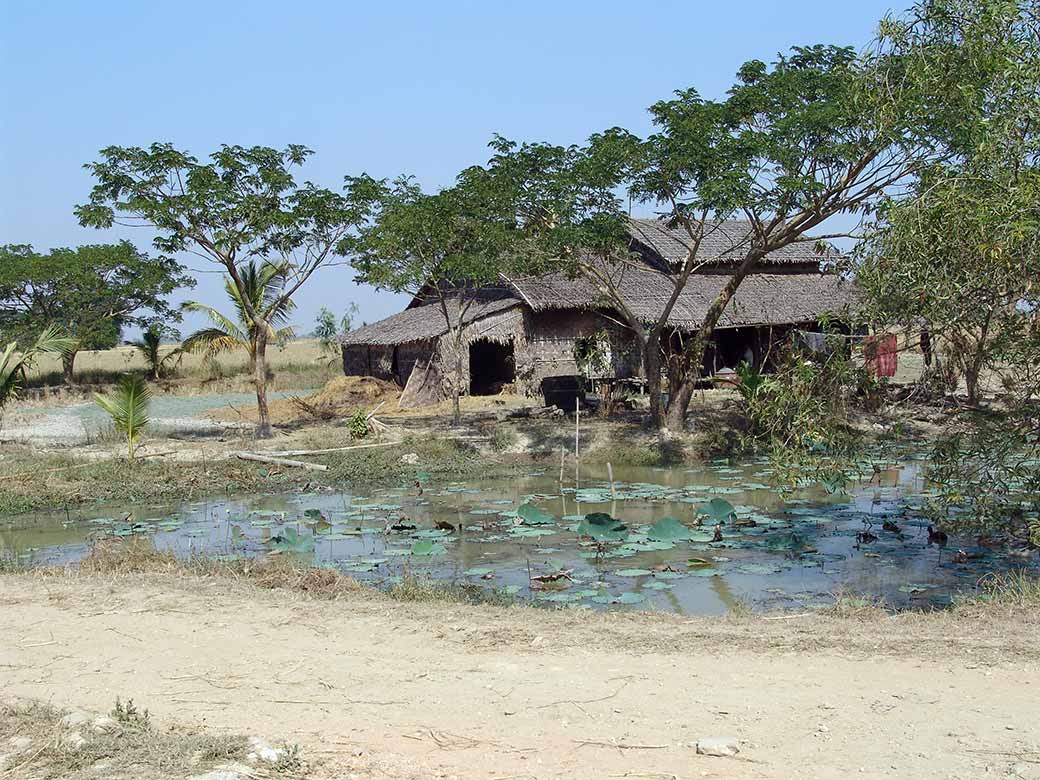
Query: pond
x=787, y=552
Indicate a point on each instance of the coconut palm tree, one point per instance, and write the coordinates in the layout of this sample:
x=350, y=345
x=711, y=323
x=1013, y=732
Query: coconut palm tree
x=14, y=365
x=128, y=406
x=263, y=282
x=150, y=347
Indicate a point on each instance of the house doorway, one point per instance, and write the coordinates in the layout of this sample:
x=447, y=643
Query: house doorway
x=491, y=366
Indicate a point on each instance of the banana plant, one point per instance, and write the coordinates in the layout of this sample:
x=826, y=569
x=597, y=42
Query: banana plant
x=15, y=365
x=128, y=407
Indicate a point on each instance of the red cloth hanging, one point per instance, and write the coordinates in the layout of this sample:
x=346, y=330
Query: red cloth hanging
x=880, y=354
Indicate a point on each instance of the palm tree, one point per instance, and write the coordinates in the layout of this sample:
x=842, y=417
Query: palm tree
x=263, y=283
x=150, y=347
x=128, y=406
x=15, y=366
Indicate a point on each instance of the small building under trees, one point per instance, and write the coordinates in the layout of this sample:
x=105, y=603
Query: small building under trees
x=521, y=332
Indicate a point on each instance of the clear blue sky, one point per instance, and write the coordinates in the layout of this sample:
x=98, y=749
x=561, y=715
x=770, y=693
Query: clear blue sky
x=386, y=87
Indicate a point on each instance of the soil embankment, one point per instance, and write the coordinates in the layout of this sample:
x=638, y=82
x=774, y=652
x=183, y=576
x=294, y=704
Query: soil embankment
x=400, y=690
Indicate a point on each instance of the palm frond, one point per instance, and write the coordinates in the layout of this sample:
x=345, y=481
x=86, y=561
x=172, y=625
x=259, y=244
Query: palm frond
x=213, y=341
x=15, y=366
x=220, y=322
x=128, y=407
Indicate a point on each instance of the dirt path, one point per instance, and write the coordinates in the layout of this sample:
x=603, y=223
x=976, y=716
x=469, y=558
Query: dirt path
x=393, y=690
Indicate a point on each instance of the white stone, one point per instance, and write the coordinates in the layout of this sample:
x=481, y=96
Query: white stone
x=104, y=725
x=75, y=740
x=74, y=718
x=233, y=771
x=411, y=458
x=261, y=751
x=718, y=746
x=20, y=744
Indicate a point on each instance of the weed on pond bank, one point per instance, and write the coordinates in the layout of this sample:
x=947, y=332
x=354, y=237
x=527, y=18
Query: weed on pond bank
x=34, y=481
x=44, y=742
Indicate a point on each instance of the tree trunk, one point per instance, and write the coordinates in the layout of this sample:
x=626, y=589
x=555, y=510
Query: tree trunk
x=263, y=423
x=652, y=366
x=679, y=401
x=68, y=361
x=456, y=410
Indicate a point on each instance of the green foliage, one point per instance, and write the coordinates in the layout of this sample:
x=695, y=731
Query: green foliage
x=592, y=353
x=602, y=528
x=668, y=529
x=357, y=424
x=822, y=131
x=533, y=515
x=91, y=292
x=128, y=714
x=440, y=247
x=291, y=540
x=241, y=208
x=262, y=284
x=14, y=365
x=718, y=510
x=326, y=328
x=150, y=347
x=800, y=415
x=128, y=408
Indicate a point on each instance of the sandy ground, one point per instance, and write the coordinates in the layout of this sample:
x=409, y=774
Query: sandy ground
x=374, y=688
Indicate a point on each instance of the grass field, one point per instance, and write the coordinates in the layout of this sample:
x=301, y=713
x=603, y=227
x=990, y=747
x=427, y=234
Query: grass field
x=300, y=363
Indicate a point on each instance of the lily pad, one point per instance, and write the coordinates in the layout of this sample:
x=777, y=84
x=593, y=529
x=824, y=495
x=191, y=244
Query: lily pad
x=603, y=528
x=427, y=547
x=533, y=515
x=668, y=529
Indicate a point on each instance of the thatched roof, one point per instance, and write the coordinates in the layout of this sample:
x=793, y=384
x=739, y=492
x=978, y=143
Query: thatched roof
x=723, y=243
x=788, y=295
x=761, y=299
x=423, y=322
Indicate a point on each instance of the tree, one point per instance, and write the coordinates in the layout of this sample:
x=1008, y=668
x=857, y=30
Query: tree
x=822, y=132
x=150, y=347
x=91, y=292
x=961, y=252
x=128, y=408
x=244, y=204
x=326, y=329
x=15, y=365
x=263, y=285
x=958, y=257
x=442, y=248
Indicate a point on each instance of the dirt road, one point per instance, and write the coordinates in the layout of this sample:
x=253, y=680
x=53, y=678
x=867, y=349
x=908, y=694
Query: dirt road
x=374, y=688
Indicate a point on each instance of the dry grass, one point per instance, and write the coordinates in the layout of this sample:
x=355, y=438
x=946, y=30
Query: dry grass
x=126, y=747
x=299, y=364
x=118, y=557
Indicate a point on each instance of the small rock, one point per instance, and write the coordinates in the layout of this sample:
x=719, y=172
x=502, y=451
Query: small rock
x=74, y=718
x=718, y=746
x=104, y=725
x=75, y=740
x=410, y=459
x=20, y=744
x=261, y=751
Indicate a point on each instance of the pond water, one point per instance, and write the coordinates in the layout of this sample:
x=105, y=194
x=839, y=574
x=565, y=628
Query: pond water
x=792, y=552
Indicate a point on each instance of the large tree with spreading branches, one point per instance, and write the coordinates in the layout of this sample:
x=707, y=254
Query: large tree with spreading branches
x=824, y=131
x=242, y=204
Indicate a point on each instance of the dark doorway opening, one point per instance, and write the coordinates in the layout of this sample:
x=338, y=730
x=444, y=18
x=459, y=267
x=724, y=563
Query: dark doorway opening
x=491, y=367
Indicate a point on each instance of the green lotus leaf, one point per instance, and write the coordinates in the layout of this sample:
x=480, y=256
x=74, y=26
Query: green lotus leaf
x=668, y=529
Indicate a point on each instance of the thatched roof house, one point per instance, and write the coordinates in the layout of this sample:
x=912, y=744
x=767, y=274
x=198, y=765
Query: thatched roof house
x=521, y=331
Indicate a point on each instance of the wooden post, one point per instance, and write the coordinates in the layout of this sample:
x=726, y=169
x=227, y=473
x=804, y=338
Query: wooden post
x=577, y=418
x=563, y=457
x=610, y=476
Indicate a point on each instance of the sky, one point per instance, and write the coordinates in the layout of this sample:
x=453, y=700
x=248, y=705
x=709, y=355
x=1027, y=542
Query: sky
x=384, y=88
